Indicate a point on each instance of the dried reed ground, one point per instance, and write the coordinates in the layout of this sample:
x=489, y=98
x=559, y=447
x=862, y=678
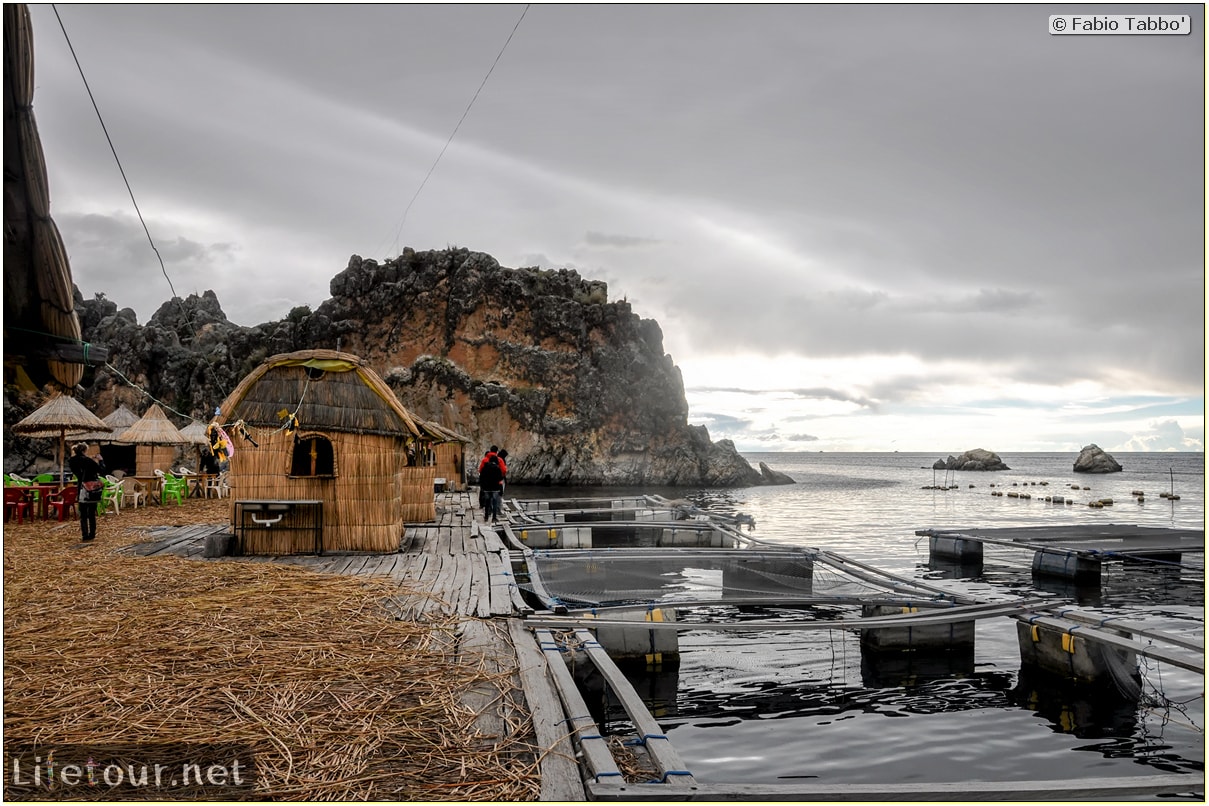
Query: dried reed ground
x=336, y=700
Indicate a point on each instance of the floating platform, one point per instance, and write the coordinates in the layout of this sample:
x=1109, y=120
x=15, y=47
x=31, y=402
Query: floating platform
x=1072, y=552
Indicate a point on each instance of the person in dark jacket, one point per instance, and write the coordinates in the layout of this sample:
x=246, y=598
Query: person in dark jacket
x=491, y=482
x=86, y=469
x=209, y=463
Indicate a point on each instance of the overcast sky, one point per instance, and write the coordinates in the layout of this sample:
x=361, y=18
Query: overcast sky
x=925, y=228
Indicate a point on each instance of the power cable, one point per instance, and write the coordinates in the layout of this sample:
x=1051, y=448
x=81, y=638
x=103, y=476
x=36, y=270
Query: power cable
x=113, y=149
x=433, y=167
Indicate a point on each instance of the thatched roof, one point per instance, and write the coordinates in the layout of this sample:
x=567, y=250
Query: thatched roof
x=60, y=415
x=195, y=432
x=118, y=420
x=328, y=390
x=37, y=275
x=153, y=428
x=439, y=433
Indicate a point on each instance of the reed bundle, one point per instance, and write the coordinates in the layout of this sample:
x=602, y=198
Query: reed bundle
x=335, y=700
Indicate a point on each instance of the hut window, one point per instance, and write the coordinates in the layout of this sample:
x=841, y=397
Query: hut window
x=313, y=456
x=314, y=373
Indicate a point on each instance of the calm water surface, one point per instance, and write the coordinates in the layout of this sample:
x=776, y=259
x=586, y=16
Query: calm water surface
x=775, y=707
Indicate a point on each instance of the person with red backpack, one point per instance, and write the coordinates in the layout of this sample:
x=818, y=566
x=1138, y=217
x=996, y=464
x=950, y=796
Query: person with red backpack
x=496, y=452
x=491, y=485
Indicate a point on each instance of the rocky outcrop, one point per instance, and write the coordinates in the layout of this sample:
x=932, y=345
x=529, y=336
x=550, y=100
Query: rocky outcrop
x=771, y=476
x=977, y=459
x=578, y=388
x=1094, y=460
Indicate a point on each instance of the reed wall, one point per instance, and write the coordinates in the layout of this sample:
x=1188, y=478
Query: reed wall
x=451, y=464
x=417, y=498
x=363, y=508
x=148, y=459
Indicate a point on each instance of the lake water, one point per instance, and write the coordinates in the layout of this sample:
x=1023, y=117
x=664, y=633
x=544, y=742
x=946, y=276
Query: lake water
x=779, y=707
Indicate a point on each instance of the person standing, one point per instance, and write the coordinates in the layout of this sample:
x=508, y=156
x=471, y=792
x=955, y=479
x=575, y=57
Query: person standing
x=491, y=482
x=209, y=463
x=503, y=454
x=88, y=473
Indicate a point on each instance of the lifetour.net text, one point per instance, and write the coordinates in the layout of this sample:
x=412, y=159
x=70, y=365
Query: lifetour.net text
x=48, y=772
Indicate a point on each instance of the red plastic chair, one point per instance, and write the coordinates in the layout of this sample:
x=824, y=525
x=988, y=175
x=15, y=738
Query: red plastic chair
x=64, y=502
x=15, y=501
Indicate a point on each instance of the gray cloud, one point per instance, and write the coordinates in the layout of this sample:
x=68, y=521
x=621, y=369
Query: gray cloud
x=948, y=184
x=618, y=241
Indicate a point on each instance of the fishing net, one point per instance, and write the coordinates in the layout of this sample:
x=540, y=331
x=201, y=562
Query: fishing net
x=620, y=576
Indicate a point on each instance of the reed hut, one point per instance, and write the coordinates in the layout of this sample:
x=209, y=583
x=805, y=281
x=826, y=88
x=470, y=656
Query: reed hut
x=321, y=426
x=448, y=454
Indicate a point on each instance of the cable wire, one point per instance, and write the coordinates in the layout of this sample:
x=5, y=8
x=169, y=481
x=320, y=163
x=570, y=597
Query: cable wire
x=113, y=149
x=433, y=167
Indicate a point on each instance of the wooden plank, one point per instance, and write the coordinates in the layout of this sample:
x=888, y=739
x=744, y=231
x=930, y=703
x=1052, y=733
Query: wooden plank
x=373, y=566
x=340, y=564
x=437, y=574
x=473, y=572
x=559, y=769
x=462, y=577
x=481, y=648
x=583, y=729
x=667, y=761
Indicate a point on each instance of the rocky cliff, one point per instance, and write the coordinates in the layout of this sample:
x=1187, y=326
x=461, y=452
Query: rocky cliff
x=578, y=388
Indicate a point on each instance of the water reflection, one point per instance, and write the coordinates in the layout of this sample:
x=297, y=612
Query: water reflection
x=1100, y=713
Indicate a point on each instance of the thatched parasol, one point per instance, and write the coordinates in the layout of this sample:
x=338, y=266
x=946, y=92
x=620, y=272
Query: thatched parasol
x=195, y=432
x=119, y=420
x=58, y=417
x=154, y=429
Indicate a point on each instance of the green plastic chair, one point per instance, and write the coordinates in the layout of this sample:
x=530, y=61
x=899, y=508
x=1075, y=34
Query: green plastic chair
x=174, y=487
x=111, y=496
x=44, y=478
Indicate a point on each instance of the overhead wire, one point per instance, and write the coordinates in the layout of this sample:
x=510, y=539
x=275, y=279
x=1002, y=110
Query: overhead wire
x=138, y=212
x=433, y=167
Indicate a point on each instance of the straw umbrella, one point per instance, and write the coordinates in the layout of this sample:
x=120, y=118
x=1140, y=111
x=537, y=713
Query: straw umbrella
x=119, y=420
x=154, y=429
x=60, y=416
x=195, y=432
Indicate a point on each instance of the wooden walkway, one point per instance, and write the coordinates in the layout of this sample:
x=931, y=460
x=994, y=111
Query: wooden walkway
x=454, y=569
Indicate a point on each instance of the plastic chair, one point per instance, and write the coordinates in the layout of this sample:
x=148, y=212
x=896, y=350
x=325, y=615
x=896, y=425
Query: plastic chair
x=217, y=485
x=111, y=496
x=171, y=486
x=15, y=502
x=64, y=502
x=135, y=495
x=45, y=478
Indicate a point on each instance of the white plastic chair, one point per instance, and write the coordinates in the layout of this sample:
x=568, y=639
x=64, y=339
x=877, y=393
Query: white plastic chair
x=217, y=485
x=135, y=495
